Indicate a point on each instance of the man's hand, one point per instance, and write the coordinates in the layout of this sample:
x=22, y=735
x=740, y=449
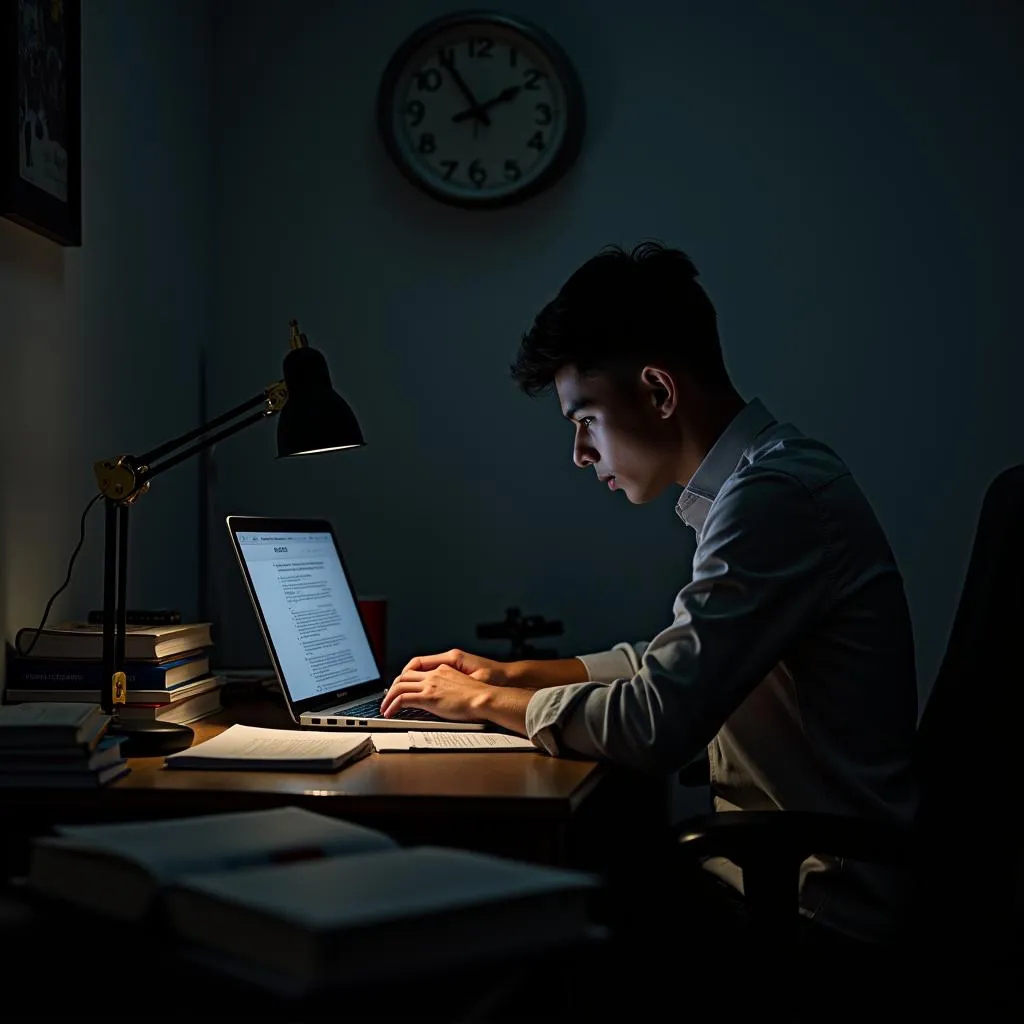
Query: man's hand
x=484, y=670
x=467, y=688
x=452, y=694
x=444, y=690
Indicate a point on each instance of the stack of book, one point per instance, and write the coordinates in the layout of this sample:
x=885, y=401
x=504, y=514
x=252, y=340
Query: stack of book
x=167, y=669
x=58, y=744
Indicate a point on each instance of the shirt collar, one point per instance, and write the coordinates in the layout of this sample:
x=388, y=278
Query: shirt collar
x=721, y=462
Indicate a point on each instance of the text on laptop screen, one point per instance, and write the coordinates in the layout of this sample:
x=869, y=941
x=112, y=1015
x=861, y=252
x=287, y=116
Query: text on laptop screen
x=309, y=610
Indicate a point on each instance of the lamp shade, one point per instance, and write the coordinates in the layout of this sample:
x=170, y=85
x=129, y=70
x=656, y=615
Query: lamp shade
x=315, y=418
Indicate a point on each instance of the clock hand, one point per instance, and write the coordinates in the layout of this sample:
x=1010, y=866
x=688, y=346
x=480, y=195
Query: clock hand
x=475, y=110
x=505, y=96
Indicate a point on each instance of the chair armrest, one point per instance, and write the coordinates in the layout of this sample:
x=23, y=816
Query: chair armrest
x=746, y=836
x=770, y=846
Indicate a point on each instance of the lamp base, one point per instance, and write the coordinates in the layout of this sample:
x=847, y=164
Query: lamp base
x=150, y=739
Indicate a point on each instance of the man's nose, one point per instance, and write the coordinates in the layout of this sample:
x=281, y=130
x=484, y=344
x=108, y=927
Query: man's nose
x=583, y=455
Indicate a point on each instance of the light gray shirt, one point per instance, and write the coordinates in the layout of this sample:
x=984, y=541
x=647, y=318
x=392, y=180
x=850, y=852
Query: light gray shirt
x=790, y=658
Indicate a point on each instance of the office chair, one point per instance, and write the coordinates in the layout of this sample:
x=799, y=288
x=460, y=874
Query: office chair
x=963, y=851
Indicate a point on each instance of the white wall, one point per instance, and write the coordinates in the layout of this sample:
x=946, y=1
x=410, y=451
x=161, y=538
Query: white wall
x=100, y=344
x=846, y=176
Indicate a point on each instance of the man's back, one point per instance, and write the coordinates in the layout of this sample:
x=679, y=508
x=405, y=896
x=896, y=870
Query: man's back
x=830, y=727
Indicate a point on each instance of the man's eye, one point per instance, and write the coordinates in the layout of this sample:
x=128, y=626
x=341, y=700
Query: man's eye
x=585, y=421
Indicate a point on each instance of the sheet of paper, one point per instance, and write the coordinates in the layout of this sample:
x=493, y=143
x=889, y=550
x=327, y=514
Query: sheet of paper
x=390, y=741
x=482, y=741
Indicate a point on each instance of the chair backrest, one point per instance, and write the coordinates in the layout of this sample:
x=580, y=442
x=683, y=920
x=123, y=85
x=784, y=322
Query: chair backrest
x=969, y=800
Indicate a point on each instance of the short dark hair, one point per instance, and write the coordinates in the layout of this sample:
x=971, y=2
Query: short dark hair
x=624, y=309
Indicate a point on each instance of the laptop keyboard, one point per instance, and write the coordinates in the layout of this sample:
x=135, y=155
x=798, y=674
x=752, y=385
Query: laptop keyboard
x=371, y=709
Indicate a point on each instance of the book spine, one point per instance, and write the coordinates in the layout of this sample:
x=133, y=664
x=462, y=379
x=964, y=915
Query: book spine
x=45, y=674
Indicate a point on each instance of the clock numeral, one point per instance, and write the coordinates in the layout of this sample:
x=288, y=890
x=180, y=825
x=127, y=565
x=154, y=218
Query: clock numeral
x=415, y=110
x=446, y=55
x=512, y=170
x=544, y=115
x=450, y=167
x=477, y=173
x=428, y=80
x=428, y=143
x=532, y=77
x=536, y=141
x=480, y=47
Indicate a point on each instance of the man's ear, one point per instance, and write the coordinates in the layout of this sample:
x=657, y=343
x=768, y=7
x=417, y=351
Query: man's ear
x=661, y=389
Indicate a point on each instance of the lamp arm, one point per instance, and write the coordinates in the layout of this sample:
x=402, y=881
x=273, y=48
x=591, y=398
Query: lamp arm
x=146, y=473
x=268, y=397
x=126, y=477
x=169, y=446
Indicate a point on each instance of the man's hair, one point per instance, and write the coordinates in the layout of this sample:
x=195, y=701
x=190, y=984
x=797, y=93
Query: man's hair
x=625, y=310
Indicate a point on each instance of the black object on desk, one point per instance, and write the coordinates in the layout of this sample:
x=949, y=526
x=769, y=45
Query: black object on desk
x=313, y=418
x=518, y=629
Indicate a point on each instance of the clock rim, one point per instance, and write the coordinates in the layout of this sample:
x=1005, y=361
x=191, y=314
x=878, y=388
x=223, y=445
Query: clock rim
x=575, y=112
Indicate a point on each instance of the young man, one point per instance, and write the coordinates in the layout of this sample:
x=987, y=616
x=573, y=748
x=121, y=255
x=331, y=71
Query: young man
x=789, y=655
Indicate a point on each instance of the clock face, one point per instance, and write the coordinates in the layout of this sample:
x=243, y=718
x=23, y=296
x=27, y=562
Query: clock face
x=481, y=110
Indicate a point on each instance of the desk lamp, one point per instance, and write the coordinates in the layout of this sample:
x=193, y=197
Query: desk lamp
x=312, y=417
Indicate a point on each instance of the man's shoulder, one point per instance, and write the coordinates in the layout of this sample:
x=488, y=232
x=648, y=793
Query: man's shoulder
x=785, y=472
x=787, y=475
x=790, y=491
x=784, y=453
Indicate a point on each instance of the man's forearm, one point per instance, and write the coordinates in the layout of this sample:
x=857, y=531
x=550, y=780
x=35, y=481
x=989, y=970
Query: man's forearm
x=504, y=706
x=538, y=674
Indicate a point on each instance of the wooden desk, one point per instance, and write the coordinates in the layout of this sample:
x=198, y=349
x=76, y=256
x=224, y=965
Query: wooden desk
x=526, y=805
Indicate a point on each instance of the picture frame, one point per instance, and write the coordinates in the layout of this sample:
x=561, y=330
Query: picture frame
x=40, y=117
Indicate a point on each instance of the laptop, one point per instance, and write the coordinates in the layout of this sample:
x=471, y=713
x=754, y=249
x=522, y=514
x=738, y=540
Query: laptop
x=309, y=616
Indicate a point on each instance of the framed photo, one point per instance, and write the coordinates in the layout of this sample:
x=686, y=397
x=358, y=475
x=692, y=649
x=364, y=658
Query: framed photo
x=40, y=116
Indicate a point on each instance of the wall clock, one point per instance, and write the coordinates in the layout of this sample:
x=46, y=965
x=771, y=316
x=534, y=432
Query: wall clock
x=479, y=109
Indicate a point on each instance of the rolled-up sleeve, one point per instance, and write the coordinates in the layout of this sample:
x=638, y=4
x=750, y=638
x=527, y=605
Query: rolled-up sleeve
x=759, y=574
x=607, y=666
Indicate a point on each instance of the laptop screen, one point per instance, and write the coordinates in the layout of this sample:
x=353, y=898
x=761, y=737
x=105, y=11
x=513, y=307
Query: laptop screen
x=309, y=612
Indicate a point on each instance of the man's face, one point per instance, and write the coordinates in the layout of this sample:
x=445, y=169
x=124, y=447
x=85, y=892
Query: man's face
x=620, y=431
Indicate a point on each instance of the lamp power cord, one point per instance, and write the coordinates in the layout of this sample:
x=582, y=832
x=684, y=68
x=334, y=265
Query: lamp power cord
x=63, y=586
